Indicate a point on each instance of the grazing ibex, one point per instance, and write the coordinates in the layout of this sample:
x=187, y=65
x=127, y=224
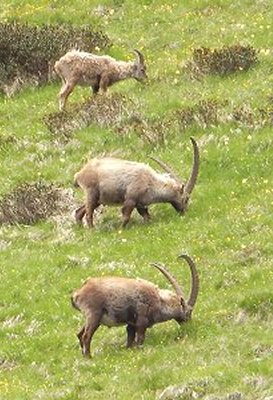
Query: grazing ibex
x=137, y=303
x=99, y=72
x=134, y=185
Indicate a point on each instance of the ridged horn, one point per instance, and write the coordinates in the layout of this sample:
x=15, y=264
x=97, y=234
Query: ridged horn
x=140, y=56
x=166, y=168
x=194, y=173
x=190, y=302
x=162, y=268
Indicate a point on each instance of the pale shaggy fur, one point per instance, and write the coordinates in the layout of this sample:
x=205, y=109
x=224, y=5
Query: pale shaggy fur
x=132, y=184
x=137, y=303
x=98, y=72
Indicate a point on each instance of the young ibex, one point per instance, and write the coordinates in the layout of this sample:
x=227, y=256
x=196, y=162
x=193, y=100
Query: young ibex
x=99, y=72
x=134, y=185
x=137, y=303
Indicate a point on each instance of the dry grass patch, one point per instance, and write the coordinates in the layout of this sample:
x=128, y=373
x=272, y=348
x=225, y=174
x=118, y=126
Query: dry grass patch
x=153, y=132
x=116, y=111
x=7, y=365
x=108, y=110
x=6, y=140
x=253, y=117
x=204, y=113
x=32, y=202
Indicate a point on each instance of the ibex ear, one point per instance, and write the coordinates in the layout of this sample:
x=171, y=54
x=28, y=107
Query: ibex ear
x=182, y=188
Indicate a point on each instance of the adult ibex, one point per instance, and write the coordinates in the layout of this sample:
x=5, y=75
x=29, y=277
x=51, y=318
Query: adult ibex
x=134, y=185
x=99, y=72
x=137, y=303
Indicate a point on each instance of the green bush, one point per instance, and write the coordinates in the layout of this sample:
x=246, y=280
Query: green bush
x=224, y=61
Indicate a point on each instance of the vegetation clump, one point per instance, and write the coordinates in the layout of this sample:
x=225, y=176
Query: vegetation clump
x=223, y=61
x=28, y=52
x=31, y=202
x=102, y=110
x=252, y=116
x=153, y=132
x=260, y=304
x=116, y=111
x=204, y=113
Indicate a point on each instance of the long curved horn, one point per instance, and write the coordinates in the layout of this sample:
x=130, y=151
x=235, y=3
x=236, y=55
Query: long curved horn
x=167, y=169
x=140, y=56
x=194, y=284
x=162, y=268
x=194, y=173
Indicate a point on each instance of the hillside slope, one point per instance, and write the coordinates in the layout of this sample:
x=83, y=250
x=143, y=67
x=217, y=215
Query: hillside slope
x=226, y=351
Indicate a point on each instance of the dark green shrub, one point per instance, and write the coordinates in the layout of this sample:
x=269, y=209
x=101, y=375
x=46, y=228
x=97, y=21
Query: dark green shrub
x=224, y=61
x=28, y=52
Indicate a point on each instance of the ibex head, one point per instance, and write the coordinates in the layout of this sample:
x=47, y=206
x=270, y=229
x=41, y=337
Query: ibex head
x=177, y=300
x=139, y=67
x=180, y=203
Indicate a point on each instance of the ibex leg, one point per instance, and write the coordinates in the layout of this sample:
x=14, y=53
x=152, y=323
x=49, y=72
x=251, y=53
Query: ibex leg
x=143, y=211
x=91, y=326
x=131, y=334
x=126, y=210
x=66, y=90
x=90, y=206
x=79, y=214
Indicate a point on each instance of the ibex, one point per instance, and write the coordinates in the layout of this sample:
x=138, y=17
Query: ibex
x=137, y=303
x=134, y=185
x=99, y=72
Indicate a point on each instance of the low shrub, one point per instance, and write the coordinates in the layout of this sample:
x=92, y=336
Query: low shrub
x=31, y=202
x=223, y=61
x=102, y=110
x=204, y=113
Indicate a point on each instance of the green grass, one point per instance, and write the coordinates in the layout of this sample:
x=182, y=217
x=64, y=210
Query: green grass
x=227, y=347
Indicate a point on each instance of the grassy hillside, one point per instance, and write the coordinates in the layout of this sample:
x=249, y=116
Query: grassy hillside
x=226, y=351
